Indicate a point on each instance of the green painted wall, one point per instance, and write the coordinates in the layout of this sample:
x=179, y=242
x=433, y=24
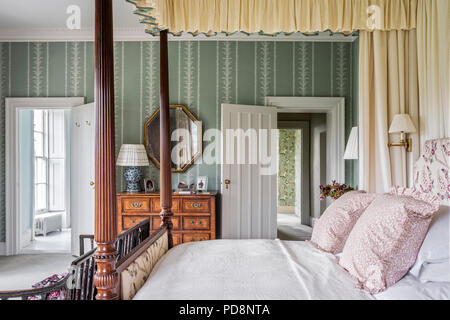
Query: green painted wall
x=203, y=74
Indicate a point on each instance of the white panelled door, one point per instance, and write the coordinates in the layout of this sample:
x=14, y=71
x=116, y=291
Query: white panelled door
x=82, y=173
x=249, y=183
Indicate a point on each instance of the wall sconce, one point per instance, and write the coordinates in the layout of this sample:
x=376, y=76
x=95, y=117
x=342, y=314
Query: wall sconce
x=351, y=150
x=402, y=124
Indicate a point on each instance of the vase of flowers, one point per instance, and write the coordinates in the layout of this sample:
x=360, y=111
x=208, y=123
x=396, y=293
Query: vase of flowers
x=334, y=190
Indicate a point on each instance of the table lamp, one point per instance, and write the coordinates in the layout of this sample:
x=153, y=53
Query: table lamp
x=133, y=156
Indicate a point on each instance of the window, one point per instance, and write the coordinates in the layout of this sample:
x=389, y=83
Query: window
x=49, y=160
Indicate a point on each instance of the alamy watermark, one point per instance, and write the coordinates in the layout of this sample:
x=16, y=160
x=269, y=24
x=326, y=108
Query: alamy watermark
x=73, y=22
x=241, y=147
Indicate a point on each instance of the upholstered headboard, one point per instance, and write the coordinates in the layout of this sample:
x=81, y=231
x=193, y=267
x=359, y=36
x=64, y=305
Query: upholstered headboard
x=431, y=171
x=135, y=268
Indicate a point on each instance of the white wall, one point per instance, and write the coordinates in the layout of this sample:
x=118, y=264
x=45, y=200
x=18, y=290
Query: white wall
x=26, y=174
x=318, y=126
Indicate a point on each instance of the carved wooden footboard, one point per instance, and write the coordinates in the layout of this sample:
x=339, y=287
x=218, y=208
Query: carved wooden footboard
x=78, y=284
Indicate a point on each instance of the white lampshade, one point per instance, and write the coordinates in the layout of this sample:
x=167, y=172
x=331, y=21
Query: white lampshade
x=132, y=155
x=402, y=123
x=351, y=150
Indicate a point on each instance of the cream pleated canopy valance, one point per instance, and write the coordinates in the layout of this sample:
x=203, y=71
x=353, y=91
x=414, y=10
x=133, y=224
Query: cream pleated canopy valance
x=275, y=16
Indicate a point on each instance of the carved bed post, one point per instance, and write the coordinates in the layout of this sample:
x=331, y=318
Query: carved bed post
x=106, y=277
x=165, y=160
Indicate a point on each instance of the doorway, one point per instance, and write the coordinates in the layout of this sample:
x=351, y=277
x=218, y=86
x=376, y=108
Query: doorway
x=302, y=166
x=249, y=191
x=44, y=171
x=49, y=174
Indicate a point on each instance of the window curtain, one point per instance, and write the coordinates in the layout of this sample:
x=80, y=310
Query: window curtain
x=433, y=32
x=388, y=85
x=275, y=16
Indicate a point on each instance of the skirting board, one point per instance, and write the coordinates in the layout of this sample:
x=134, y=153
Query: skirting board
x=286, y=209
x=26, y=237
x=2, y=248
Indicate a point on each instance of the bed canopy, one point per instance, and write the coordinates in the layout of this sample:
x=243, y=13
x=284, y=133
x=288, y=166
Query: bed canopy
x=274, y=16
x=208, y=17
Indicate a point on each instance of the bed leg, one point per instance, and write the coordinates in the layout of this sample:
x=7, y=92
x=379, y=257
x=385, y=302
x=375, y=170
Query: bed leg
x=166, y=161
x=106, y=277
x=166, y=220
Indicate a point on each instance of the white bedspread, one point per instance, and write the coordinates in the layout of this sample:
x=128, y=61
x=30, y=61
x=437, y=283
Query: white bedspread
x=410, y=288
x=248, y=269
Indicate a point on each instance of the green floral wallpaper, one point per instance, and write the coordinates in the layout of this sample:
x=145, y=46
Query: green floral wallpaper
x=286, y=168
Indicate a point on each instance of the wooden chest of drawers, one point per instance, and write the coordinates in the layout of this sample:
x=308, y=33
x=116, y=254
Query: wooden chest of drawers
x=194, y=215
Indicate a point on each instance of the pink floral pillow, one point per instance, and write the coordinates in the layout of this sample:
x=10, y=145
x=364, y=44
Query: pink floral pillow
x=333, y=227
x=385, y=241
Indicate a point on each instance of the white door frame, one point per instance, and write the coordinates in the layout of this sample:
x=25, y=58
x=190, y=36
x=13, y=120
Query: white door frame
x=335, y=110
x=12, y=155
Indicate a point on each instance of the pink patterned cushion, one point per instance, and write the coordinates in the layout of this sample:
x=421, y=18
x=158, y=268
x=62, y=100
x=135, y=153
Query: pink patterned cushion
x=333, y=227
x=385, y=241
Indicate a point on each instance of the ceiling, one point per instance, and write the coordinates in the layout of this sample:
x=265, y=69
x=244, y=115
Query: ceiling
x=45, y=14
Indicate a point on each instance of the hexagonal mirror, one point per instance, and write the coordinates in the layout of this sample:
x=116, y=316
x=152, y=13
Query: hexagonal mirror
x=186, y=137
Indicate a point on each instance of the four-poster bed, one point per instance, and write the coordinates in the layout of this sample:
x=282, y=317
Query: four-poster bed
x=140, y=265
x=110, y=277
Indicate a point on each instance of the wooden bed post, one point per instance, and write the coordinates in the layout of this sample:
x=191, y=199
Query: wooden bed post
x=165, y=161
x=106, y=277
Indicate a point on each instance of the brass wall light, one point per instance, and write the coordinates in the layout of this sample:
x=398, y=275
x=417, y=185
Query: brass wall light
x=402, y=124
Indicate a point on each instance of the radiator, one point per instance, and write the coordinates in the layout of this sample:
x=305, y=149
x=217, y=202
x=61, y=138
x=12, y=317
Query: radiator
x=47, y=222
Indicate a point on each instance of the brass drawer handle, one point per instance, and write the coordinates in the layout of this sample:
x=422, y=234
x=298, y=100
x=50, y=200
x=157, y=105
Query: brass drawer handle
x=196, y=205
x=133, y=221
x=192, y=222
x=136, y=204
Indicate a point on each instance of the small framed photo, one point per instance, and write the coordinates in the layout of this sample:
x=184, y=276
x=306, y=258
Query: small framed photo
x=149, y=185
x=202, y=184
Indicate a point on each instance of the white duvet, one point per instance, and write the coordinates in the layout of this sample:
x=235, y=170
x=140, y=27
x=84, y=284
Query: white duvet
x=248, y=269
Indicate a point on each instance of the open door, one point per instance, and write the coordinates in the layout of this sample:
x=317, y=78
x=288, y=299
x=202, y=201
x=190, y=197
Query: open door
x=249, y=168
x=82, y=190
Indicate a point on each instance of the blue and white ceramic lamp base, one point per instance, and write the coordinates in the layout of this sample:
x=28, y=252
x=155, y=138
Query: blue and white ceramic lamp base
x=133, y=177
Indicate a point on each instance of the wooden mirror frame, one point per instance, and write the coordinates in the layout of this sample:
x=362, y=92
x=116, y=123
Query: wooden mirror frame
x=199, y=142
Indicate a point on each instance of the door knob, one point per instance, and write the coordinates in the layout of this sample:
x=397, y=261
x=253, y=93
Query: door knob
x=227, y=183
x=92, y=183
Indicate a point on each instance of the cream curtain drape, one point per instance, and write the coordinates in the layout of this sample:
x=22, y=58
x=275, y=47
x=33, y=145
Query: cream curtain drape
x=275, y=16
x=387, y=86
x=433, y=33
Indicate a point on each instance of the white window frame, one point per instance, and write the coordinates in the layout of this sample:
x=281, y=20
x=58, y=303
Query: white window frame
x=12, y=155
x=46, y=155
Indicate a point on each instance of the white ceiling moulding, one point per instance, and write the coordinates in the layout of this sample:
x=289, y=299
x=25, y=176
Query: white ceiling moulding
x=138, y=34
